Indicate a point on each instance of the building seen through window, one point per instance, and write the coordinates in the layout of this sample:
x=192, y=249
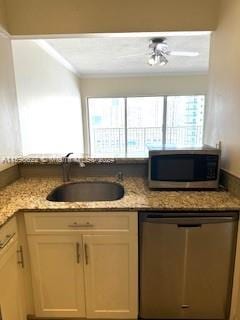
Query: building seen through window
x=126, y=127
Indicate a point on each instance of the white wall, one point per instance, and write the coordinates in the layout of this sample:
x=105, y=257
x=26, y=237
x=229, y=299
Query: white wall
x=141, y=86
x=3, y=20
x=49, y=102
x=223, y=114
x=10, y=142
x=27, y=17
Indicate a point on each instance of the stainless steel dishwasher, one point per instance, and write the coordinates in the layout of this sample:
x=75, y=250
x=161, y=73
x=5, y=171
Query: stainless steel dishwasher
x=186, y=264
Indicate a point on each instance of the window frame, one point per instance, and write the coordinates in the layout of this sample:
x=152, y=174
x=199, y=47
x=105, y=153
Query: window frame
x=86, y=131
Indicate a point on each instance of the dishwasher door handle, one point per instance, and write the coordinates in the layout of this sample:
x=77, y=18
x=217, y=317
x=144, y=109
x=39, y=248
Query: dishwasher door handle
x=191, y=225
x=187, y=221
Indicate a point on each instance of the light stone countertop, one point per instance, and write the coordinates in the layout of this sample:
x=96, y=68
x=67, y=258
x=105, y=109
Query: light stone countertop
x=29, y=194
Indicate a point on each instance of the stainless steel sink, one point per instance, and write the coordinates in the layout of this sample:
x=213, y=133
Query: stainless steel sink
x=87, y=191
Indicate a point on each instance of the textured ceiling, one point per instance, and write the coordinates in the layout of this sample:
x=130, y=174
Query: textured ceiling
x=115, y=56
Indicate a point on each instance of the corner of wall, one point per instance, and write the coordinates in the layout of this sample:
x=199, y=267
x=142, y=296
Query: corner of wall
x=8, y=175
x=222, y=118
x=3, y=18
x=10, y=141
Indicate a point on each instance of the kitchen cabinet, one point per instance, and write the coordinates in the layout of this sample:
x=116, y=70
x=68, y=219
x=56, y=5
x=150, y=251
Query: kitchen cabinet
x=110, y=275
x=57, y=275
x=10, y=304
x=84, y=264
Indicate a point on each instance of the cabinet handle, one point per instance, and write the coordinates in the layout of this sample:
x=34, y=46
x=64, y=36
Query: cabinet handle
x=20, y=253
x=86, y=253
x=4, y=242
x=79, y=225
x=78, y=252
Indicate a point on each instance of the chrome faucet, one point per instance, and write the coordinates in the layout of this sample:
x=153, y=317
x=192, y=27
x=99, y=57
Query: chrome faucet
x=66, y=166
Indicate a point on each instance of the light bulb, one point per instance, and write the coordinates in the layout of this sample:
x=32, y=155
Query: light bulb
x=162, y=60
x=152, y=60
x=157, y=59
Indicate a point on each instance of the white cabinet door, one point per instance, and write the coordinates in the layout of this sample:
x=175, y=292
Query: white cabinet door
x=57, y=272
x=111, y=276
x=9, y=285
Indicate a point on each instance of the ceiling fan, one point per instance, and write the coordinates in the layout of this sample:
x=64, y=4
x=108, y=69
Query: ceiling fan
x=159, y=51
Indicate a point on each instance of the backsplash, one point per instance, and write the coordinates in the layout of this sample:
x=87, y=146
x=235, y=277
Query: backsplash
x=9, y=175
x=230, y=182
x=137, y=169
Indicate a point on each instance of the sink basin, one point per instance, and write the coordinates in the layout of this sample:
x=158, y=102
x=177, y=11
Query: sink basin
x=87, y=191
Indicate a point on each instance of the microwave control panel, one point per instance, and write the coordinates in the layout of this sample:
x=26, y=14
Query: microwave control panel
x=212, y=167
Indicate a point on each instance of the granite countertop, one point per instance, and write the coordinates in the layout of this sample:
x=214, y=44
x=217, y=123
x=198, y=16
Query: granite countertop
x=29, y=194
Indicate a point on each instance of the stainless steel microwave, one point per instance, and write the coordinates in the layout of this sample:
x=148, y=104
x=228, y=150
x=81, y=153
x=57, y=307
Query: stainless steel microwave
x=188, y=168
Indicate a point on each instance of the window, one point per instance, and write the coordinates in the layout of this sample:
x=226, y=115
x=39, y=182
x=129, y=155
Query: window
x=144, y=124
x=184, y=121
x=107, y=126
x=126, y=127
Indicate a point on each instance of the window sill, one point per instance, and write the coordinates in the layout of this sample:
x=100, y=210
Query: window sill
x=39, y=159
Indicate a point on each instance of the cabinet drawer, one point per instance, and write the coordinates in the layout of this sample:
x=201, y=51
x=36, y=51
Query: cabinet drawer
x=80, y=222
x=9, y=227
x=7, y=232
x=8, y=237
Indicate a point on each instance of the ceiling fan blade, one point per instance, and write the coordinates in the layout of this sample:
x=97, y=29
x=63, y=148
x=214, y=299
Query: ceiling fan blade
x=129, y=56
x=184, y=53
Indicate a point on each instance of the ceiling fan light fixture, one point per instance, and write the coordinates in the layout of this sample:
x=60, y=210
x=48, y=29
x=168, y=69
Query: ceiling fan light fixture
x=159, y=52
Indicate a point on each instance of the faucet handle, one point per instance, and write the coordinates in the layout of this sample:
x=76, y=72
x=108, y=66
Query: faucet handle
x=119, y=176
